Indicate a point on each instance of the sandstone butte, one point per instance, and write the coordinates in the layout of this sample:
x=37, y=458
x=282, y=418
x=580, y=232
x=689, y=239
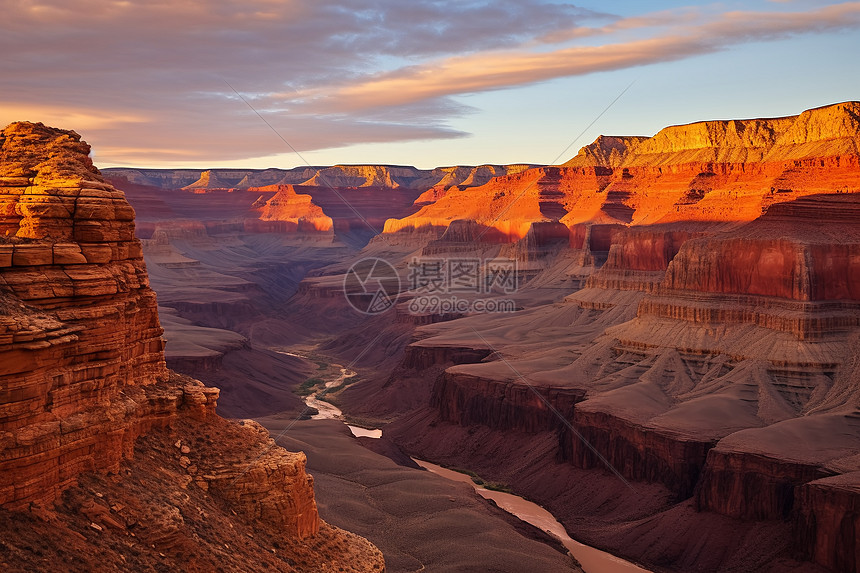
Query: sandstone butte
x=293, y=211
x=89, y=413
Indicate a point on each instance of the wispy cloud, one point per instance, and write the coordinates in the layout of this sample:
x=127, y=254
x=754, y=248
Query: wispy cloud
x=500, y=69
x=145, y=80
x=100, y=66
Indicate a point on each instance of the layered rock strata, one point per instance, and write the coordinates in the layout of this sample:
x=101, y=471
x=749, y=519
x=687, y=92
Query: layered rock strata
x=384, y=176
x=83, y=377
x=81, y=328
x=707, y=171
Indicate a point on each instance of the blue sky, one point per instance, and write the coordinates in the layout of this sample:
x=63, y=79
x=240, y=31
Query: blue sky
x=425, y=83
x=535, y=123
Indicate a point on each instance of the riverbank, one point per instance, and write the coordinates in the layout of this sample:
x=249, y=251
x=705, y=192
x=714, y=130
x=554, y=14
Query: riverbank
x=420, y=521
x=331, y=377
x=592, y=560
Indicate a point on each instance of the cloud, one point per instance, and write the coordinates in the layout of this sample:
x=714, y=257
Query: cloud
x=144, y=82
x=497, y=69
x=82, y=118
x=138, y=76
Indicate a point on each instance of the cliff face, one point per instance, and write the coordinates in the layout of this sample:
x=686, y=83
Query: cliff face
x=793, y=270
x=83, y=378
x=295, y=210
x=358, y=176
x=805, y=250
x=505, y=206
x=344, y=176
x=606, y=151
x=208, y=180
x=821, y=132
x=637, y=260
x=80, y=323
x=708, y=171
x=828, y=522
x=469, y=400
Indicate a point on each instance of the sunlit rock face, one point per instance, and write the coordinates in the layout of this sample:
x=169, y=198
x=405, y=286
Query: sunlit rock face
x=709, y=171
x=82, y=366
x=830, y=131
x=294, y=211
x=82, y=335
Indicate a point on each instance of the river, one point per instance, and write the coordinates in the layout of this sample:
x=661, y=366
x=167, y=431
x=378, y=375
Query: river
x=592, y=560
x=327, y=410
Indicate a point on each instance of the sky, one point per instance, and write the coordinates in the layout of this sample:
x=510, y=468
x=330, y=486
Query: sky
x=284, y=83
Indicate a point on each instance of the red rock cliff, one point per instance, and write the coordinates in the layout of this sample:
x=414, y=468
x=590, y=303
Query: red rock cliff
x=795, y=269
x=80, y=330
x=82, y=372
x=706, y=171
x=820, y=132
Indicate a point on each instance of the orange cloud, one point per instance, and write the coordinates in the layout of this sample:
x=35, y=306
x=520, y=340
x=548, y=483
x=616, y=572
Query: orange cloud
x=145, y=81
x=80, y=118
x=497, y=69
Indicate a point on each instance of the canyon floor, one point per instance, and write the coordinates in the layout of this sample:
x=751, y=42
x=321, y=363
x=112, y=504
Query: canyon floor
x=418, y=520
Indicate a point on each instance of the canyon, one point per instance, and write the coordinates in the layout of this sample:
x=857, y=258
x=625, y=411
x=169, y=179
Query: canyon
x=109, y=459
x=676, y=378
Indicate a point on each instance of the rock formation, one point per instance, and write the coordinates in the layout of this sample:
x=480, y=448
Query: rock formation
x=709, y=354
x=350, y=202
x=208, y=180
x=82, y=371
x=358, y=176
x=707, y=171
x=81, y=325
x=296, y=211
x=339, y=176
x=825, y=132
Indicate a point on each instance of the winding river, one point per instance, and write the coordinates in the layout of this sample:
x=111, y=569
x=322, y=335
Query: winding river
x=328, y=411
x=592, y=560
